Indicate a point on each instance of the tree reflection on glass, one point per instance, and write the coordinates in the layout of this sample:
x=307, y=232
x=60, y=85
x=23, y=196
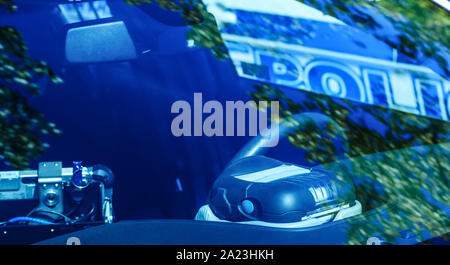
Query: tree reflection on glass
x=20, y=124
x=418, y=29
x=203, y=29
x=407, y=166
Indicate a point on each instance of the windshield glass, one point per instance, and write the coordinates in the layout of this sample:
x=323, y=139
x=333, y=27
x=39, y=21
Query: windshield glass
x=105, y=81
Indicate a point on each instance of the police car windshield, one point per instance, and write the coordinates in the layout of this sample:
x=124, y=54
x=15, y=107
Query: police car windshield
x=97, y=81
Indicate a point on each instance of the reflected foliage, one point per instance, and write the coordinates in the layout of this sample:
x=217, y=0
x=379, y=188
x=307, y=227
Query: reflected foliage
x=203, y=29
x=401, y=129
x=420, y=28
x=20, y=124
x=414, y=183
x=406, y=165
x=8, y=5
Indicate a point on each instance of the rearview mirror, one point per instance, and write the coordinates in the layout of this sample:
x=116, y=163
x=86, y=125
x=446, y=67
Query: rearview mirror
x=99, y=43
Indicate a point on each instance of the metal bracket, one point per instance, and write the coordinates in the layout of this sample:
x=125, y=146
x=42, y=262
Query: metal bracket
x=50, y=186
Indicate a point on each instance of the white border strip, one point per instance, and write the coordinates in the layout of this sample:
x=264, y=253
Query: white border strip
x=290, y=8
x=443, y=3
x=272, y=174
